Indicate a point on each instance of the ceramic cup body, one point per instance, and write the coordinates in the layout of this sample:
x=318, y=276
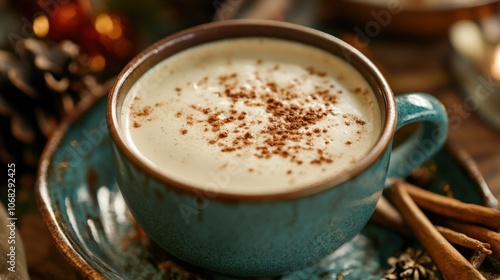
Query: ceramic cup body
x=268, y=234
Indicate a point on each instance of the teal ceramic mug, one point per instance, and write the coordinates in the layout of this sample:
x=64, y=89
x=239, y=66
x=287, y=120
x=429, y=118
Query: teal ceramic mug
x=269, y=234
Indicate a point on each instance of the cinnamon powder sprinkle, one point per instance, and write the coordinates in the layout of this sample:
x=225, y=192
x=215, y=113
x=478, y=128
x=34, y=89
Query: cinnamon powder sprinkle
x=223, y=135
x=144, y=112
x=140, y=115
x=291, y=128
x=354, y=118
x=361, y=90
x=313, y=71
x=190, y=120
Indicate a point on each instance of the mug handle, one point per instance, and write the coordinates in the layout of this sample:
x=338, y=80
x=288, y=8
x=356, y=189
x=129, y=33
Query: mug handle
x=426, y=140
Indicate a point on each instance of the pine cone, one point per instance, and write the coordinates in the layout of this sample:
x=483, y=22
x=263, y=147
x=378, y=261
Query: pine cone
x=38, y=88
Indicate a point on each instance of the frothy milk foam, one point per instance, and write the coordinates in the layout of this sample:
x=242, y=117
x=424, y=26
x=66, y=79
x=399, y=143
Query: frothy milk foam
x=252, y=116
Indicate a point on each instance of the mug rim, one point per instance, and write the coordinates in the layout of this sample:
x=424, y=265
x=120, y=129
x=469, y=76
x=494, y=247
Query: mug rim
x=242, y=28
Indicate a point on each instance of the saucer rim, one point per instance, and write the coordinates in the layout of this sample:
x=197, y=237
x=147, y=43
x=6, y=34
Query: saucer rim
x=43, y=201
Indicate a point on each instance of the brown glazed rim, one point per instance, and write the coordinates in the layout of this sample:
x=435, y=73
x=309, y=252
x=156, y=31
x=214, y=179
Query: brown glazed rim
x=253, y=28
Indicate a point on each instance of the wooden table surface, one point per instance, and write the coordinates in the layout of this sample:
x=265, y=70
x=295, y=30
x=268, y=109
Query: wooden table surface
x=479, y=139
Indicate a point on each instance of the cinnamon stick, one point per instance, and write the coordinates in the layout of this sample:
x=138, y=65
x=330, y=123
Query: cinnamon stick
x=454, y=208
x=449, y=261
x=479, y=233
x=463, y=240
x=386, y=215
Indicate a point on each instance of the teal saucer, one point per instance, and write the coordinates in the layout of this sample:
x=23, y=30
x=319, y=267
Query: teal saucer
x=87, y=217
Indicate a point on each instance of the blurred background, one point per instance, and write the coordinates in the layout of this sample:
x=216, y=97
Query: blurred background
x=56, y=53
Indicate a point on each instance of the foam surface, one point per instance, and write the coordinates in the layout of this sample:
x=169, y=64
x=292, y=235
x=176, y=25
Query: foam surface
x=251, y=115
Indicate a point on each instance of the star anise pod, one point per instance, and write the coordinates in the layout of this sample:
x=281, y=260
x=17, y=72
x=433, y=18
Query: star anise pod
x=411, y=265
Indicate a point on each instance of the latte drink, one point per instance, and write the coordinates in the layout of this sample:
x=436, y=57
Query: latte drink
x=251, y=116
